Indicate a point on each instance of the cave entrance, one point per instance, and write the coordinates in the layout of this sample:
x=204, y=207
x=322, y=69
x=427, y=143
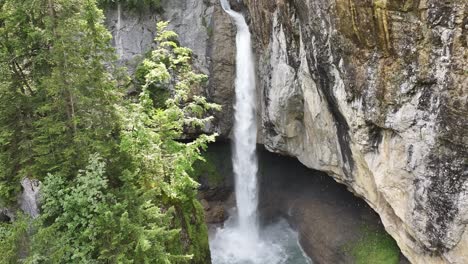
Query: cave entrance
x=333, y=225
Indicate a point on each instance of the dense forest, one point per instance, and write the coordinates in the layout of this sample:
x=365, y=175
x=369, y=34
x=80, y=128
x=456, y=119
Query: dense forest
x=115, y=172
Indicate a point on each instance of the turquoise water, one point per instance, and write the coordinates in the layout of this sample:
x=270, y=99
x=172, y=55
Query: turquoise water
x=278, y=244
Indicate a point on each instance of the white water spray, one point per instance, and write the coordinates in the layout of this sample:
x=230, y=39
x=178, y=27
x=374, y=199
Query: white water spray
x=240, y=242
x=245, y=130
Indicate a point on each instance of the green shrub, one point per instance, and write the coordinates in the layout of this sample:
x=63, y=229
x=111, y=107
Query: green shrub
x=14, y=239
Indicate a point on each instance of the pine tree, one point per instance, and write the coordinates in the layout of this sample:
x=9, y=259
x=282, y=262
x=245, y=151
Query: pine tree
x=142, y=218
x=58, y=95
x=117, y=188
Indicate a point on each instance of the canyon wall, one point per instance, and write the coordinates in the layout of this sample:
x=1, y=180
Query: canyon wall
x=202, y=26
x=375, y=94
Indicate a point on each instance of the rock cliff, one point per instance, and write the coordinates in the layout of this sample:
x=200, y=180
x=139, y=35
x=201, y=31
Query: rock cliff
x=375, y=94
x=202, y=26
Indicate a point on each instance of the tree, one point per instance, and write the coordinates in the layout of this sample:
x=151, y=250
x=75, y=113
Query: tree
x=115, y=177
x=152, y=137
x=141, y=209
x=57, y=95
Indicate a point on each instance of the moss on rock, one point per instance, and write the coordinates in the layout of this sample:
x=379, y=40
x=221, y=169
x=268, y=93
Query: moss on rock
x=193, y=232
x=374, y=246
x=207, y=169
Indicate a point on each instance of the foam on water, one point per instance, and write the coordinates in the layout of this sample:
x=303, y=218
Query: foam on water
x=278, y=244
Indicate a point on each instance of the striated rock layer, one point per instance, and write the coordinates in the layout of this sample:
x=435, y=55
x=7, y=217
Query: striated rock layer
x=375, y=94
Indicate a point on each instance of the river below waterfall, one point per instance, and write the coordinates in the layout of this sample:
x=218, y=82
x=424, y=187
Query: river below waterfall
x=279, y=245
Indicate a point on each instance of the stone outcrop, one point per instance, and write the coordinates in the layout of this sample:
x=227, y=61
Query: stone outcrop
x=30, y=197
x=28, y=201
x=202, y=26
x=375, y=94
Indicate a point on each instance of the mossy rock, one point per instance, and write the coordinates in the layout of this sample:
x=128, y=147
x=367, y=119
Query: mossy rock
x=216, y=166
x=193, y=234
x=374, y=246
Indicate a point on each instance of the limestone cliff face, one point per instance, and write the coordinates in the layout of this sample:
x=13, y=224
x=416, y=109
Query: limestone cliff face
x=202, y=27
x=375, y=94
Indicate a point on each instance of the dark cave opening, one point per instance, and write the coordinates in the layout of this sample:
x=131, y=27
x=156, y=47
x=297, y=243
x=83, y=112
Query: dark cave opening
x=333, y=224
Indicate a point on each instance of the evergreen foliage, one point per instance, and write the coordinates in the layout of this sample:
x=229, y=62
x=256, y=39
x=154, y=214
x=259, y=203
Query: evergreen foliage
x=13, y=239
x=116, y=187
x=57, y=96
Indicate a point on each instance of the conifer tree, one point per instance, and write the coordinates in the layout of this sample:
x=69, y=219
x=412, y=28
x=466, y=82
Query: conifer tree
x=142, y=218
x=115, y=177
x=57, y=93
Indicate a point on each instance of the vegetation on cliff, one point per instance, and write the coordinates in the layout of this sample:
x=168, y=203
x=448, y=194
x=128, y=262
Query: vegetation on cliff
x=374, y=246
x=115, y=177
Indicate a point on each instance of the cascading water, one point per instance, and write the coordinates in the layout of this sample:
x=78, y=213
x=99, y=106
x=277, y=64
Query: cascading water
x=245, y=131
x=240, y=241
x=118, y=38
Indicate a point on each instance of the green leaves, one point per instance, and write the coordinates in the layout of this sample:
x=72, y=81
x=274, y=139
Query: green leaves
x=115, y=177
x=74, y=208
x=57, y=95
x=13, y=238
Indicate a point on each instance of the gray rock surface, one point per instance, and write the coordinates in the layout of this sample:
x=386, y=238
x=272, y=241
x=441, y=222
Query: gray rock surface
x=375, y=94
x=6, y=215
x=202, y=26
x=29, y=199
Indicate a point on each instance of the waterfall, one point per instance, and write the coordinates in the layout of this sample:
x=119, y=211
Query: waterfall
x=118, y=38
x=245, y=130
x=240, y=241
